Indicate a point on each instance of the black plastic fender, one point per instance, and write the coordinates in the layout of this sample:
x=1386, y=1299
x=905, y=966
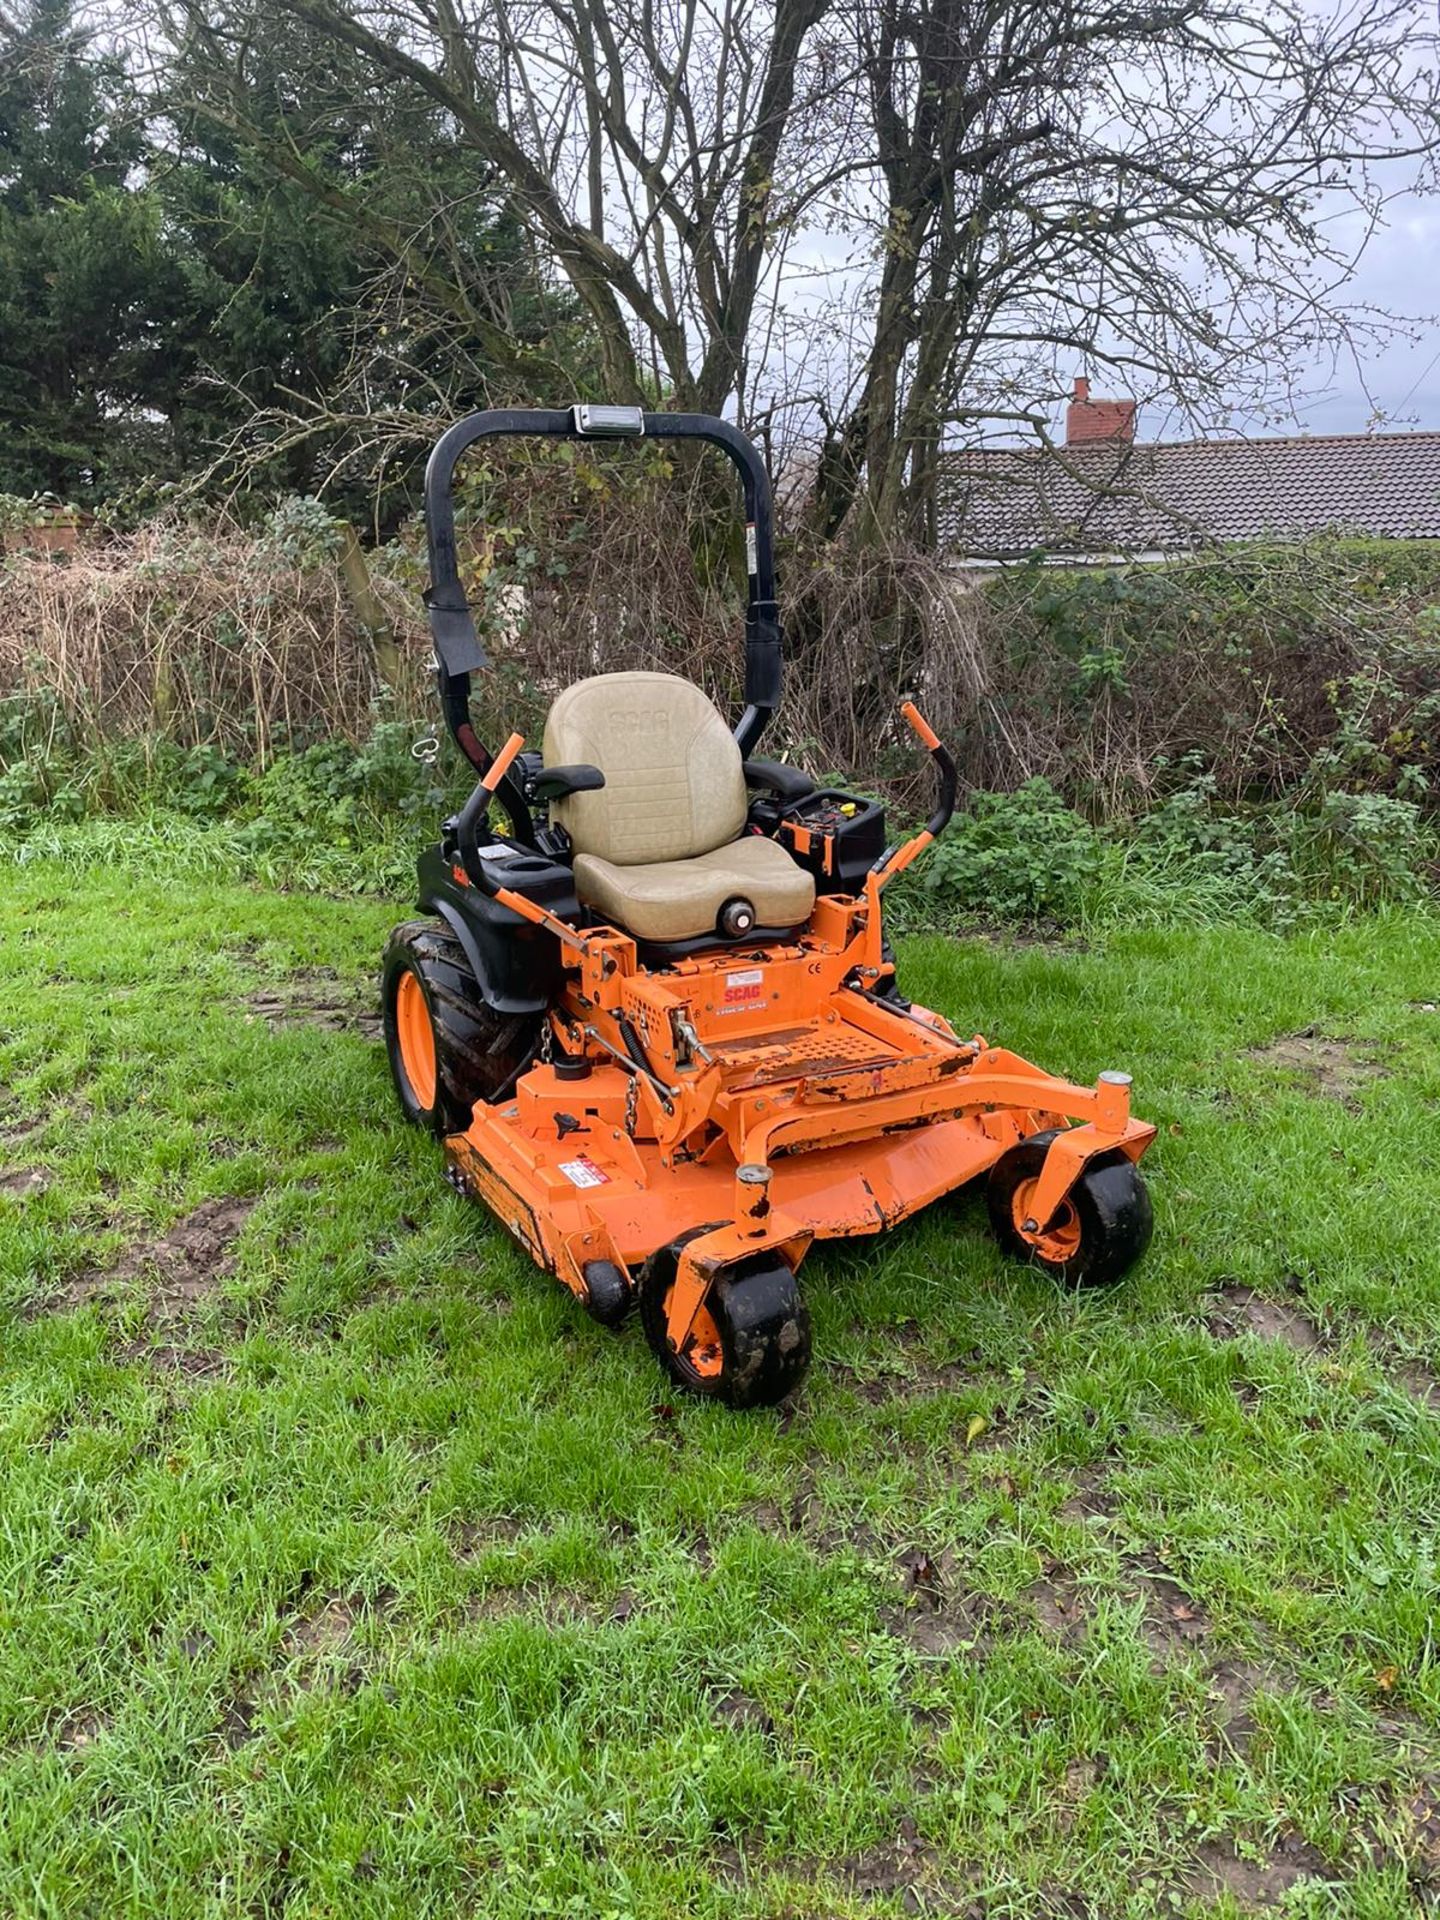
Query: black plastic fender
x=517, y=966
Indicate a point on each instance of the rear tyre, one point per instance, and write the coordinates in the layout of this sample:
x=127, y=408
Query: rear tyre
x=1100, y=1230
x=750, y=1344
x=447, y=1049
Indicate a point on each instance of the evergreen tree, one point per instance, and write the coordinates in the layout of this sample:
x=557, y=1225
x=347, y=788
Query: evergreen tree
x=85, y=278
x=272, y=291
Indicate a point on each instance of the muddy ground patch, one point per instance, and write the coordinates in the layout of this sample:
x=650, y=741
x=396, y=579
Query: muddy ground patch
x=182, y=1269
x=1335, y=1068
x=1240, y=1310
x=1254, y=1882
x=318, y=997
x=20, y=1183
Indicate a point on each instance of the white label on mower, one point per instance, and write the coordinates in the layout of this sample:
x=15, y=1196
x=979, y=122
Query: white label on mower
x=752, y=565
x=751, y=977
x=583, y=1173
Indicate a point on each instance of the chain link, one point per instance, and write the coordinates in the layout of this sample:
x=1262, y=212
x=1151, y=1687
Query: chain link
x=632, y=1104
x=427, y=748
x=547, y=1043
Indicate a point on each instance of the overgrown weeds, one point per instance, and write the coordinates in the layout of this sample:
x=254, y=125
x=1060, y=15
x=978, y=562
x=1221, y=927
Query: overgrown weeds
x=205, y=637
x=1025, y=857
x=1281, y=672
x=338, y=822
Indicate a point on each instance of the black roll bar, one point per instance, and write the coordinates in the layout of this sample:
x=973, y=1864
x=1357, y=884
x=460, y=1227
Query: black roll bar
x=458, y=652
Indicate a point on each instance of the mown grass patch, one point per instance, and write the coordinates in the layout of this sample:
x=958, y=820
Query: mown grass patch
x=348, y=1569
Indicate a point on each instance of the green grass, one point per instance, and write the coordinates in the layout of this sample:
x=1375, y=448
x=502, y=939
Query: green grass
x=349, y=1570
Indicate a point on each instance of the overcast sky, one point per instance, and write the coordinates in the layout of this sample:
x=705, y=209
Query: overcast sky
x=1392, y=387
x=1399, y=270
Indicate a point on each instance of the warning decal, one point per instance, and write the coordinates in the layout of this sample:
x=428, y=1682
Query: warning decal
x=583, y=1173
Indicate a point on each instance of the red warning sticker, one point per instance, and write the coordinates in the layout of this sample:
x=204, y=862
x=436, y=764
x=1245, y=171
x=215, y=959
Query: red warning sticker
x=584, y=1173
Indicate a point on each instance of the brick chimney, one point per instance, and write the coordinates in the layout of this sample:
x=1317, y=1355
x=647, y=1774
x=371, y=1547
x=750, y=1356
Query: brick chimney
x=1087, y=420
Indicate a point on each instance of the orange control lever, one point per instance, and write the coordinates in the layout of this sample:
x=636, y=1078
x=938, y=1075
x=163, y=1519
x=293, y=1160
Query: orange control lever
x=920, y=726
x=502, y=762
x=889, y=864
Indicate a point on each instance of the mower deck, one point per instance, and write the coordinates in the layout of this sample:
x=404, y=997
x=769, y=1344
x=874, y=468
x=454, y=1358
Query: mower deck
x=593, y=1193
x=778, y=1129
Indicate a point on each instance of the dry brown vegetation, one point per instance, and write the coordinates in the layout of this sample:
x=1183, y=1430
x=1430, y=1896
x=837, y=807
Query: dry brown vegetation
x=1267, y=670
x=205, y=637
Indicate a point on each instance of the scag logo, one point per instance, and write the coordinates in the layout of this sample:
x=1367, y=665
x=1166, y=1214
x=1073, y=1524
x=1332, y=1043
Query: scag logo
x=744, y=988
x=638, y=721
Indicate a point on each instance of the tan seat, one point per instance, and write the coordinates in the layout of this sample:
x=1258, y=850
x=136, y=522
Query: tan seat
x=661, y=847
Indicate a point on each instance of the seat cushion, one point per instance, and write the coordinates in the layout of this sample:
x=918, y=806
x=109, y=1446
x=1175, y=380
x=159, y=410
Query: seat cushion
x=680, y=899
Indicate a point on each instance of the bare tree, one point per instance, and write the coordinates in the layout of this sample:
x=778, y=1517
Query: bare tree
x=1152, y=188
x=889, y=224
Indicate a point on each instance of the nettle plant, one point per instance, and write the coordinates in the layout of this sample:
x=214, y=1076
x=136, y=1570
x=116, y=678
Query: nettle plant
x=301, y=532
x=1364, y=848
x=16, y=512
x=1014, y=856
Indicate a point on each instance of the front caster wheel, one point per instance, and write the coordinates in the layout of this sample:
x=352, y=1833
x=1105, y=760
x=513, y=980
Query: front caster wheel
x=1101, y=1229
x=750, y=1343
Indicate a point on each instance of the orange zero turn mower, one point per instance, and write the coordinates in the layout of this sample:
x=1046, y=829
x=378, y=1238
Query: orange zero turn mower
x=655, y=1020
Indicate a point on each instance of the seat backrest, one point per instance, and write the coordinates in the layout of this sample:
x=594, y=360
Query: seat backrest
x=674, y=786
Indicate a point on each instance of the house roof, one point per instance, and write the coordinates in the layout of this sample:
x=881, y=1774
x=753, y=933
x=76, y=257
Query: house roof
x=1166, y=496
